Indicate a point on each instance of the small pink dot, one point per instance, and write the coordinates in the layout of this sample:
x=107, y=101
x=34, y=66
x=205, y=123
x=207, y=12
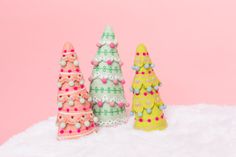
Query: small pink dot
x=149, y=120
x=156, y=118
x=62, y=131
x=143, y=73
x=69, y=71
x=72, y=50
x=92, y=125
x=84, y=109
x=67, y=110
x=67, y=90
x=64, y=50
x=62, y=70
x=140, y=120
x=78, y=130
x=75, y=109
x=82, y=86
x=145, y=94
x=68, y=76
x=137, y=54
x=149, y=72
x=77, y=70
x=147, y=53
x=136, y=72
x=59, y=109
x=75, y=88
x=87, y=128
x=59, y=89
x=151, y=93
x=63, y=55
x=70, y=131
x=144, y=54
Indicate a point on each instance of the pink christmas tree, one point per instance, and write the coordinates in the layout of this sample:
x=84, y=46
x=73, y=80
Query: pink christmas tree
x=75, y=116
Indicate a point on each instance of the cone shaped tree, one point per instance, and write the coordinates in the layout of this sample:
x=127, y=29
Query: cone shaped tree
x=106, y=87
x=75, y=117
x=147, y=104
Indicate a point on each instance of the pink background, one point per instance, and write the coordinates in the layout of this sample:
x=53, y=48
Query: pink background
x=192, y=42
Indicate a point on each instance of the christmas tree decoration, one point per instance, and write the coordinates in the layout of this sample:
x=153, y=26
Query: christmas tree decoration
x=75, y=116
x=106, y=88
x=147, y=105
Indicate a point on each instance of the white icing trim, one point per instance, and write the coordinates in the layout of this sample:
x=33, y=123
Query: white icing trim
x=109, y=76
x=70, y=92
x=69, y=137
x=74, y=113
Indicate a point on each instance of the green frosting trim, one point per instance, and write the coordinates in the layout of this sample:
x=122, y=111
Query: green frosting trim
x=111, y=112
x=108, y=90
x=107, y=69
x=106, y=52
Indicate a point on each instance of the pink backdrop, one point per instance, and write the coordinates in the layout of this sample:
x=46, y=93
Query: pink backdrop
x=192, y=42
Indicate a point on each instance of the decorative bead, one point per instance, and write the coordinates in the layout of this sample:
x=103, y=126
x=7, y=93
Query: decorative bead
x=112, y=45
x=81, y=82
x=140, y=114
x=71, y=83
x=100, y=104
x=136, y=91
x=115, y=82
x=77, y=125
x=123, y=81
x=109, y=62
x=104, y=80
x=62, y=63
x=146, y=66
x=162, y=107
x=120, y=104
x=87, y=123
x=131, y=113
x=149, y=110
x=82, y=100
x=149, y=89
x=62, y=125
x=131, y=89
x=152, y=65
x=127, y=105
x=156, y=87
x=71, y=103
x=95, y=119
x=112, y=104
x=90, y=99
x=95, y=63
x=59, y=85
x=133, y=67
x=59, y=104
x=76, y=63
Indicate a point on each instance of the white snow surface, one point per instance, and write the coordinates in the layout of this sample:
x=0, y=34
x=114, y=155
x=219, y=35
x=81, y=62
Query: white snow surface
x=194, y=131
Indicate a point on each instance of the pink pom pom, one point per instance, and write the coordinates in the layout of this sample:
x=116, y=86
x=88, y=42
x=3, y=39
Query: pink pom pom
x=127, y=105
x=95, y=63
x=98, y=45
x=109, y=62
x=121, y=63
x=123, y=81
x=120, y=104
x=112, y=45
x=112, y=104
x=104, y=80
x=90, y=78
x=100, y=104
x=115, y=82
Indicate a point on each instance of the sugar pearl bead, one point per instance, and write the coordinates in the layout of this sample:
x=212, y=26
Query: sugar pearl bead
x=140, y=114
x=59, y=85
x=100, y=104
x=95, y=119
x=59, y=104
x=62, y=63
x=162, y=107
x=90, y=99
x=71, y=83
x=146, y=66
x=112, y=104
x=112, y=45
x=62, y=125
x=131, y=113
x=137, y=68
x=152, y=65
x=82, y=100
x=71, y=103
x=131, y=89
x=104, y=80
x=77, y=125
x=156, y=87
x=76, y=63
x=149, y=110
x=87, y=123
x=149, y=89
x=136, y=91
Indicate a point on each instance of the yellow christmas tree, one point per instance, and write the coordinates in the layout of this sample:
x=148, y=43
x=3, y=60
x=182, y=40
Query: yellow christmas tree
x=147, y=104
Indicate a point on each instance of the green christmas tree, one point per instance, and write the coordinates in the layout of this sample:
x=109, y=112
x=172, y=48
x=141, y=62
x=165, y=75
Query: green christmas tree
x=106, y=89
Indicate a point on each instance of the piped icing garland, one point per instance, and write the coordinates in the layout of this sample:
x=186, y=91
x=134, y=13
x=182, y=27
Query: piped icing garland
x=75, y=116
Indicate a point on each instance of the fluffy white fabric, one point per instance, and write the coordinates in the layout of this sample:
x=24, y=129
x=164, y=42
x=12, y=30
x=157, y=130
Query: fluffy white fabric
x=194, y=131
